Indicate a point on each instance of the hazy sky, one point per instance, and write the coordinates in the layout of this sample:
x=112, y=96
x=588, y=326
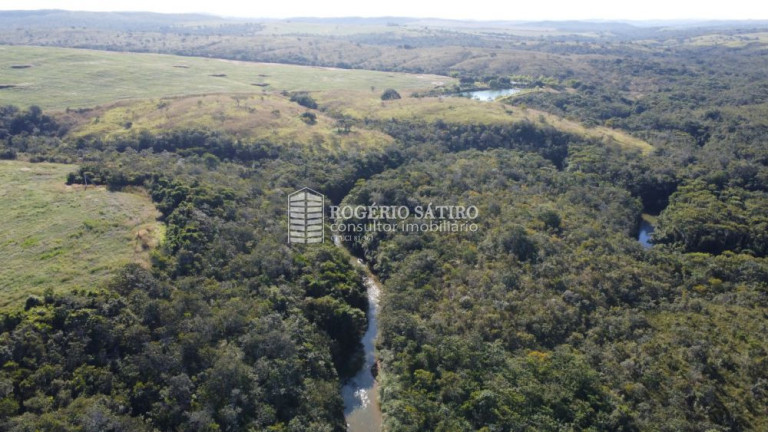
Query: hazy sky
x=473, y=9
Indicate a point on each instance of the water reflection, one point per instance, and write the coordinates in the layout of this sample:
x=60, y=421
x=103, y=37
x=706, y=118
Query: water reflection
x=644, y=236
x=360, y=393
x=489, y=95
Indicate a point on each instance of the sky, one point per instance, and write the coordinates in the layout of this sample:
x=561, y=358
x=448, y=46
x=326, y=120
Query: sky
x=473, y=10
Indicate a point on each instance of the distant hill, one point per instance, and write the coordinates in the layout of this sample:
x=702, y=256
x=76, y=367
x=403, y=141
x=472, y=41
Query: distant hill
x=586, y=26
x=150, y=21
x=123, y=21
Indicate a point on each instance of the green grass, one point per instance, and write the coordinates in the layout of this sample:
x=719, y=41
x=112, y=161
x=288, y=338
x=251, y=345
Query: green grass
x=64, y=237
x=60, y=78
x=271, y=117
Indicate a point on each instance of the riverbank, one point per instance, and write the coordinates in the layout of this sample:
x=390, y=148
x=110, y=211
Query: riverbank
x=361, y=392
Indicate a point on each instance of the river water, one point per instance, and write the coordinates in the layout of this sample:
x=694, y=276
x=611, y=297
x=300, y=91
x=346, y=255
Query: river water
x=361, y=392
x=644, y=235
x=489, y=95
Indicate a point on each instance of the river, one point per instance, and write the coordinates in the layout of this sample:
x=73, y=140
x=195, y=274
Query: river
x=361, y=392
x=644, y=235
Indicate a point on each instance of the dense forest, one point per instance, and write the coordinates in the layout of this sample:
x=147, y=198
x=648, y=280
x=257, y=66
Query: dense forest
x=550, y=317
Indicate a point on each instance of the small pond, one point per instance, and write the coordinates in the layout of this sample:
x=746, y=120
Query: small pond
x=489, y=95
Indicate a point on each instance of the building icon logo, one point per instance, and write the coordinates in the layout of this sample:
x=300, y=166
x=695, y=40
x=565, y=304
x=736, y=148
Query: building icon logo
x=306, y=217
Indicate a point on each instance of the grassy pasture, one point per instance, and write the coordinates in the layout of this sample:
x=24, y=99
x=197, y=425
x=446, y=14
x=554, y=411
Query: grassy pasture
x=271, y=116
x=160, y=92
x=59, y=78
x=64, y=237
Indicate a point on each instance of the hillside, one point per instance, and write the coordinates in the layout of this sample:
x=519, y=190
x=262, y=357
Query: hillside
x=362, y=105
x=60, y=237
x=271, y=117
x=60, y=78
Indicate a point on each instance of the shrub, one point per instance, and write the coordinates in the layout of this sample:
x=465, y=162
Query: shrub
x=390, y=94
x=308, y=118
x=304, y=100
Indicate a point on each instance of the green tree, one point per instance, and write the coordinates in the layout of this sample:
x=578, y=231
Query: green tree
x=390, y=94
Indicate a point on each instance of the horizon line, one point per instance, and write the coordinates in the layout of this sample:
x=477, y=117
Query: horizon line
x=405, y=17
